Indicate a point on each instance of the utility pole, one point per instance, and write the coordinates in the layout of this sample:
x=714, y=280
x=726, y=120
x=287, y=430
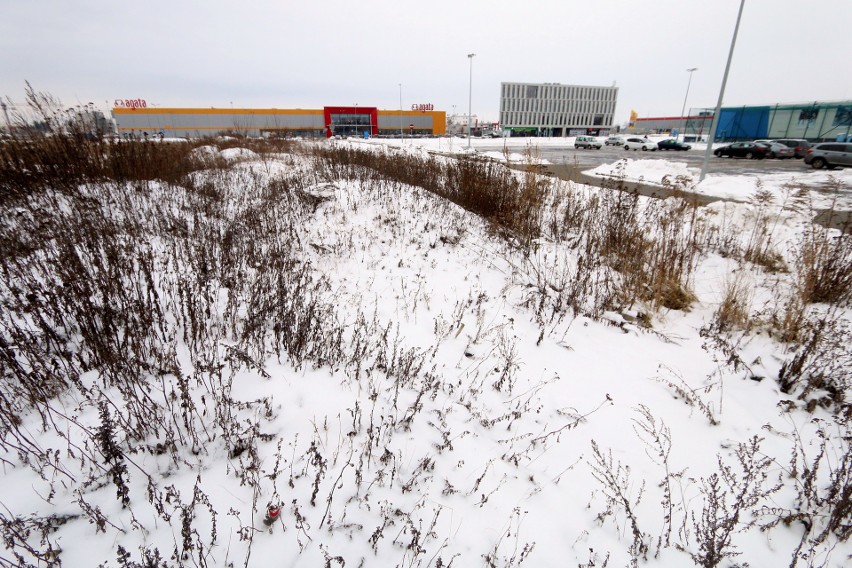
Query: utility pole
x=470, y=56
x=684, y=122
x=6, y=114
x=715, y=122
x=401, y=135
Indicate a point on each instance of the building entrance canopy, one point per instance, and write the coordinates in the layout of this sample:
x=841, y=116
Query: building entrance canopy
x=349, y=121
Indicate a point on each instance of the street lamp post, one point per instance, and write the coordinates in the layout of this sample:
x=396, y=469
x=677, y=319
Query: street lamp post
x=401, y=135
x=688, y=83
x=713, y=124
x=470, y=56
x=6, y=115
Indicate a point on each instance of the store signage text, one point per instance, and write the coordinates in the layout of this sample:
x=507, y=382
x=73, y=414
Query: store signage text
x=130, y=103
x=423, y=107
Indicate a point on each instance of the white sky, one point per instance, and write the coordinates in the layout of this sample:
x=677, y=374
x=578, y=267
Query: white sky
x=309, y=54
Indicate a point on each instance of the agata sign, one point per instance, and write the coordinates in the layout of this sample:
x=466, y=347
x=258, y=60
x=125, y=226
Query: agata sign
x=423, y=107
x=130, y=103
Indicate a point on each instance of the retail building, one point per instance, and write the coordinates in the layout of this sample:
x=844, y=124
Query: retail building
x=141, y=121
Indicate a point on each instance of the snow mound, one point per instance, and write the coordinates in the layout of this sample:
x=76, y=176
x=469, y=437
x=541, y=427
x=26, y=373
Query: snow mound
x=205, y=152
x=515, y=158
x=239, y=154
x=648, y=171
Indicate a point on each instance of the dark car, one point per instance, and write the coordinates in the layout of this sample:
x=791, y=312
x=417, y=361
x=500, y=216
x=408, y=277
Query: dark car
x=748, y=150
x=672, y=144
x=829, y=155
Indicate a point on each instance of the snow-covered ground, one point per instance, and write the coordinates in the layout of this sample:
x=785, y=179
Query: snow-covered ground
x=476, y=430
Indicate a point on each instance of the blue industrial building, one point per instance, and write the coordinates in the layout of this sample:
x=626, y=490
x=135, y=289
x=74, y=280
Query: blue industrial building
x=811, y=121
x=816, y=121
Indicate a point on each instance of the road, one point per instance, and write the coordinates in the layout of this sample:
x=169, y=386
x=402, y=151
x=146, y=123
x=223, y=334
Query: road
x=588, y=159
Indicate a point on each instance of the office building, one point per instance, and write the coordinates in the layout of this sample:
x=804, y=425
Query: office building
x=554, y=109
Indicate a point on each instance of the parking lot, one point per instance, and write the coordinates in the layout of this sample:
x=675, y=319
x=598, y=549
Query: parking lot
x=830, y=190
x=588, y=159
x=569, y=163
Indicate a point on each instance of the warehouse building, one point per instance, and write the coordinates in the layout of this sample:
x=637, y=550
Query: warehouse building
x=141, y=121
x=553, y=109
x=692, y=127
x=816, y=121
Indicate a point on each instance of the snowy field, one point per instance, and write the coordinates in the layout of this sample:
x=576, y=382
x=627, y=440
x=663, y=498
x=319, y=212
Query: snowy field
x=408, y=387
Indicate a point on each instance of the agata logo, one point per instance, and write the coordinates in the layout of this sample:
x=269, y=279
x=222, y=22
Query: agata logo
x=423, y=107
x=130, y=103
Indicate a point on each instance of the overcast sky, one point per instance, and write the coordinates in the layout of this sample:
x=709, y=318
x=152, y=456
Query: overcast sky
x=312, y=53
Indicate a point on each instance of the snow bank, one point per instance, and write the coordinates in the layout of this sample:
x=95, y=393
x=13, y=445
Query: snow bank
x=239, y=154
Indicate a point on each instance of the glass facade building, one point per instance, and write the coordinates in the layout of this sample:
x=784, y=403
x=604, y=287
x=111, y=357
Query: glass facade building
x=554, y=109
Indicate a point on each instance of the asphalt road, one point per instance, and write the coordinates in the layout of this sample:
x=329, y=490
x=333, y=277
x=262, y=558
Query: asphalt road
x=588, y=159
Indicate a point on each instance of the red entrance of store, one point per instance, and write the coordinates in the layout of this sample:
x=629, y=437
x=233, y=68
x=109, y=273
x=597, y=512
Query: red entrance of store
x=351, y=121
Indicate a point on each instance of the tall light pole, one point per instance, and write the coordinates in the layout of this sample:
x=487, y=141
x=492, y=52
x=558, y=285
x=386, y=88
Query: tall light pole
x=688, y=83
x=470, y=56
x=6, y=115
x=715, y=121
x=401, y=135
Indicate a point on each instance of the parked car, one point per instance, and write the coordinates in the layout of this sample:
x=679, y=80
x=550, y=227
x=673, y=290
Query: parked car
x=587, y=142
x=748, y=150
x=640, y=144
x=614, y=141
x=776, y=149
x=829, y=155
x=799, y=146
x=672, y=144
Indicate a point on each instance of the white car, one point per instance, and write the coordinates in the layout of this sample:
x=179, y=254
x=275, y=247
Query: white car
x=589, y=142
x=614, y=141
x=640, y=144
x=776, y=149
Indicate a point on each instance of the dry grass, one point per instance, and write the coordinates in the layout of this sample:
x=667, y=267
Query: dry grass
x=87, y=294
x=733, y=312
x=824, y=266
